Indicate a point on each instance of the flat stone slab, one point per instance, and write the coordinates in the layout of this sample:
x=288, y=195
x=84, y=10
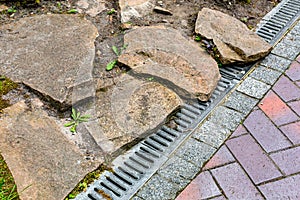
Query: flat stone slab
x=135, y=8
x=39, y=155
x=91, y=7
x=130, y=110
x=235, y=42
x=165, y=54
x=52, y=54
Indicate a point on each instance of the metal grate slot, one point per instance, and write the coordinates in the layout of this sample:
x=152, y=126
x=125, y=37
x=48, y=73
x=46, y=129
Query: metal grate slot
x=144, y=157
x=165, y=136
x=113, y=181
x=153, y=145
x=149, y=152
x=139, y=163
x=124, y=179
x=112, y=189
x=189, y=113
x=92, y=197
x=185, y=118
x=158, y=141
x=129, y=172
x=130, y=164
x=172, y=132
x=182, y=123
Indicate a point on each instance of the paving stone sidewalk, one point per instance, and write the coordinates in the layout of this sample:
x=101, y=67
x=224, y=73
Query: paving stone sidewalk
x=261, y=159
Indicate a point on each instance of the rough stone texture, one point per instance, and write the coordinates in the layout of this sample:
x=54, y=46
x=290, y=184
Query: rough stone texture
x=92, y=7
x=158, y=188
x=236, y=43
x=52, y=54
x=164, y=54
x=131, y=109
x=276, y=62
x=266, y=75
x=3, y=8
x=38, y=155
x=135, y=8
x=253, y=88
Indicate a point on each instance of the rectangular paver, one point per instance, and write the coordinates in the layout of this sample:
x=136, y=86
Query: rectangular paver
x=286, y=89
x=202, y=187
x=295, y=105
x=235, y=183
x=222, y=157
x=239, y=131
x=240, y=102
x=276, y=62
x=288, y=161
x=253, y=88
x=277, y=110
x=292, y=131
x=251, y=156
x=294, y=71
x=266, y=75
x=265, y=132
x=287, y=188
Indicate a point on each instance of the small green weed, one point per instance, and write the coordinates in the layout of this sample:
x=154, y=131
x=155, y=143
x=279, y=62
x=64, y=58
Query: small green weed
x=197, y=38
x=118, y=52
x=76, y=119
x=11, y=10
x=111, y=11
x=72, y=11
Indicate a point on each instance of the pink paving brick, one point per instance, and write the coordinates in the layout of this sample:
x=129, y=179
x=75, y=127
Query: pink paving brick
x=298, y=83
x=294, y=71
x=286, y=89
x=288, y=161
x=292, y=131
x=217, y=198
x=239, y=131
x=277, y=110
x=295, y=105
x=265, y=132
x=235, y=183
x=298, y=58
x=202, y=187
x=257, y=164
x=222, y=157
x=287, y=188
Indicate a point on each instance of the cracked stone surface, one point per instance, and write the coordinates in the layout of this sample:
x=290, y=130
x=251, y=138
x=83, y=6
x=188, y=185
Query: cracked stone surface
x=164, y=54
x=91, y=7
x=236, y=43
x=135, y=8
x=52, y=54
x=39, y=155
x=130, y=110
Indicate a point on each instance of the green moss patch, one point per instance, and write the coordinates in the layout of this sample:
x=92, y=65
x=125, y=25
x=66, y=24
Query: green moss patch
x=6, y=85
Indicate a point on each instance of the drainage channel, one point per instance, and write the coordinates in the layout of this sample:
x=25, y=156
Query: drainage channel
x=133, y=169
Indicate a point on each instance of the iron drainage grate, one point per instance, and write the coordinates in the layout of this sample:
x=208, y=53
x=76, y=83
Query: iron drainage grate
x=277, y=22
x=133, y=169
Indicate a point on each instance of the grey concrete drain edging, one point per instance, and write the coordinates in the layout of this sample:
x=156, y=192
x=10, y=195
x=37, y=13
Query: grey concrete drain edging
x=139, y=165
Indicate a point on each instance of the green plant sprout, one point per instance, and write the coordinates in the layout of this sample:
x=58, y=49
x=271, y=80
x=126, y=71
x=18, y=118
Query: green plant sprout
x=197, y=38
x=118, y=52
x=11, y=10
x=7, y=194
x=76, y=119
x=111, y=11
x=72, y=11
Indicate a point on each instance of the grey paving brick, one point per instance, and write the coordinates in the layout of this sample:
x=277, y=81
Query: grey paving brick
x=253, y=88
x=286, y=51
x=136, y=198
x=211, y=133
x=195, y=152
x=178, y=171
x=158, y=188
x=265, y=74
x=229, y=118
x=241, y=102
x=292, y=39
x=276, y=62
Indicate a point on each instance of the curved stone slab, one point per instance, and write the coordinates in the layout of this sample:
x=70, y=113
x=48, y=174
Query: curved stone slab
x=165, y=53
x=38, y=154
x=131, y=110
x=235, y=42
x=135, y=8
x=52, y=54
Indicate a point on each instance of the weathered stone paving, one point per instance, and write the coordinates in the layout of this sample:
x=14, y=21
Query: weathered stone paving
x=52, y=54
x=165, y=53
x=135, y=8
x=39, y=156
x=235, y=42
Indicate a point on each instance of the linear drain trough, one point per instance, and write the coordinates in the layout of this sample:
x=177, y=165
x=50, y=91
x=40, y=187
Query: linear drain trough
x=133, y=169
